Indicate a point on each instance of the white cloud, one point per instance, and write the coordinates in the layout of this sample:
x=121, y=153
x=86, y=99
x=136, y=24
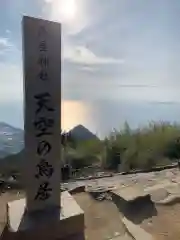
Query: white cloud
x=11, y=83
x=5, y=45
x=83, y=55
x=8, y=31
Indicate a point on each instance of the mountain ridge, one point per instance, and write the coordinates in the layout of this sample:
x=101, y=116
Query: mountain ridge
x=12, y=138
x=80, y=132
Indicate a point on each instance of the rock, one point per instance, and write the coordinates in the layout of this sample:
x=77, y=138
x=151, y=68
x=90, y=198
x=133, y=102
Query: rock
x=63, y=188
x=78, y=189
x=174, y=188
x=100, y=197
x=170, y=200
x=99, y=193
x=159, y=194
x=99, y=189
x=130, y=193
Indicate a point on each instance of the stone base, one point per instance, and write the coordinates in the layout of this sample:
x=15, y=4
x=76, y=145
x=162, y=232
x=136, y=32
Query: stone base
x=50, y=225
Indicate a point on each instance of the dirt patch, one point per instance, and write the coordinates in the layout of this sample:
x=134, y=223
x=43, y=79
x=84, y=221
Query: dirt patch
x=102, y=219
x=166, y=225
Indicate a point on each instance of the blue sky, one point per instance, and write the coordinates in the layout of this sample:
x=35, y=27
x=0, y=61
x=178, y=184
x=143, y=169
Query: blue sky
x=117, y=54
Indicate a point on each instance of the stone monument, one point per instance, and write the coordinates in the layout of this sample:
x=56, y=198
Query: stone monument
x=44, y=214
x=42, y=88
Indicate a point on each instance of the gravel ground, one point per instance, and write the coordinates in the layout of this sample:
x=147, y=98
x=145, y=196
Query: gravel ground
x=102, y=219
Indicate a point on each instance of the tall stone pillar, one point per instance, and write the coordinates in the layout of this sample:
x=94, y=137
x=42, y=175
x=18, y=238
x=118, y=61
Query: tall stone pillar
x=45, y=213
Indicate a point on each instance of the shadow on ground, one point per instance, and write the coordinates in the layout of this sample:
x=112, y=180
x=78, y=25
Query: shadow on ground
x=102, y=219
x=135, y=210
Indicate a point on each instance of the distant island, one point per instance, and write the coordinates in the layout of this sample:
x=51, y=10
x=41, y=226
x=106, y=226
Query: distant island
x=12, y=139
x=80, y=132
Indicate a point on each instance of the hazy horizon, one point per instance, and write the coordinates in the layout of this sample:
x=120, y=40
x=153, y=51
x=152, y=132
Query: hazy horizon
x=103, y=116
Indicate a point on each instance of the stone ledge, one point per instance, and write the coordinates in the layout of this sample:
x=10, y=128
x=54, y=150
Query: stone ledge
x=51, y=224
x=78, y=189
x=136, y=231
x=130, y=193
